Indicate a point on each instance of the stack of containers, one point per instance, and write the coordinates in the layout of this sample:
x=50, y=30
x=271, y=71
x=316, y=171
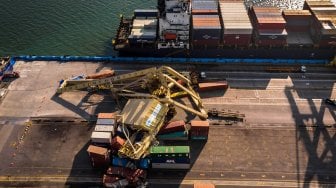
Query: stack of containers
x=170, y=157
x=206, y=30
x=297, y=20
x=204, y=7
x=199, y=130
x=99, y=156
x=104, y=130
x=144, y=29
x=298, y=23
x=269, y=26
x=174, y=130
x=206, y=26
x=237, y=27
x=323, y=29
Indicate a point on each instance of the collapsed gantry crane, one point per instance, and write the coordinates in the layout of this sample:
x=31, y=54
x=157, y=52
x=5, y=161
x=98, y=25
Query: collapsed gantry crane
x=154, y=89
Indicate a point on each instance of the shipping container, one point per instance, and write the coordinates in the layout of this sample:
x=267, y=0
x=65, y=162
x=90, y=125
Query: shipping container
x=142, y=163
x=102, y=74
x=143, y=13
x=105, y=128
x=182, y=166
x=179, y=135
x=173, y=126
x=206, y=7
x=237, y=27
x=142, y=35
x=208, y=86
x=101, y=137
x=199, y=129
x=107, y=179
x=170, y=154
x=206, y=27
x=122, y=162
x=132, y=175
x=106, y=115
x=204, y=185
x=267, y=18
x=117, y=142
x=206, y=43
x=105, y=121
x=98, y=152
x=145, y=23
x=114, y=181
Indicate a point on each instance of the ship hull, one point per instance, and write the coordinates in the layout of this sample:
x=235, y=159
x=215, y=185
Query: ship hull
x=280, y=53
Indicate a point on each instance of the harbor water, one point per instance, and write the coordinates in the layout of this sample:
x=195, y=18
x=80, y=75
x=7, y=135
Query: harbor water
x=69, y=27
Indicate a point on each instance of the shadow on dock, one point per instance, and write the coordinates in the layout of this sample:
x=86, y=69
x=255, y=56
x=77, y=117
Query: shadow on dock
x=319, y=143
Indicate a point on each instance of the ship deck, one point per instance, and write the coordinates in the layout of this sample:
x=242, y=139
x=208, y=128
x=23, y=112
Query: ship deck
x=287, y=139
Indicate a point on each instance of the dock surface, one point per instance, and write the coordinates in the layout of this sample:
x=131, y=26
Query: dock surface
x=288, y=138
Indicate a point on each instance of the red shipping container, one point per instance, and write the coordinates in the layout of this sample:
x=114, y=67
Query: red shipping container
x=108, y=179
x=170, y=36
x=117, y=142
x=98, y=162
x=132, y=175
x=206, y=86
x=206, y=43
x=240, y=40
x=106, y=115
x=199, y=128
x=275, y=43
x=173, y=126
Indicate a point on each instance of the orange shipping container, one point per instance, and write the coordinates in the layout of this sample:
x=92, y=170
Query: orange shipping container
x=96, y=151
x=106, y=115
x=103, y=74
x=204, y=185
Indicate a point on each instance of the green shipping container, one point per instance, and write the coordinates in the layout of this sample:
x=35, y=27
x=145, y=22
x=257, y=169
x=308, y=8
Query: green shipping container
x=169, y=149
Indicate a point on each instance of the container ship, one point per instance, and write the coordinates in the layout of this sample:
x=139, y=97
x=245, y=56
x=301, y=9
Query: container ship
x=229, y=29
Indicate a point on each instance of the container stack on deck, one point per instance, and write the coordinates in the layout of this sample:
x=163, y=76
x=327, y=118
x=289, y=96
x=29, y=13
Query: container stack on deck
x=323, y=27
x=108, y=137
x=206, y=26
x=237, y=28
x=144, y=28
x=269, y=26
x=298, y=23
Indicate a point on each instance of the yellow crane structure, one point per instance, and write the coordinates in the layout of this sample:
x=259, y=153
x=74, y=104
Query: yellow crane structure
x=153, y=90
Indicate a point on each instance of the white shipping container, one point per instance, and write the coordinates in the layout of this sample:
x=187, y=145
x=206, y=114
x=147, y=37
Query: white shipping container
x=143, y=32
x=147, y=23
x=101, y=137
x=105, y=128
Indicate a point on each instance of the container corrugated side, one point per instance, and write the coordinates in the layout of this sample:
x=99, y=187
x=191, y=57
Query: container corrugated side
x=203, y=185
x=106, y=115
x=101, y=137
x=170, y=166
x=105, y=121
x=96, y=150
x=169, y=149
x=173, y=126
x=179, y=135
x=145, y=23
x=204, y=7
x=105, y=128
